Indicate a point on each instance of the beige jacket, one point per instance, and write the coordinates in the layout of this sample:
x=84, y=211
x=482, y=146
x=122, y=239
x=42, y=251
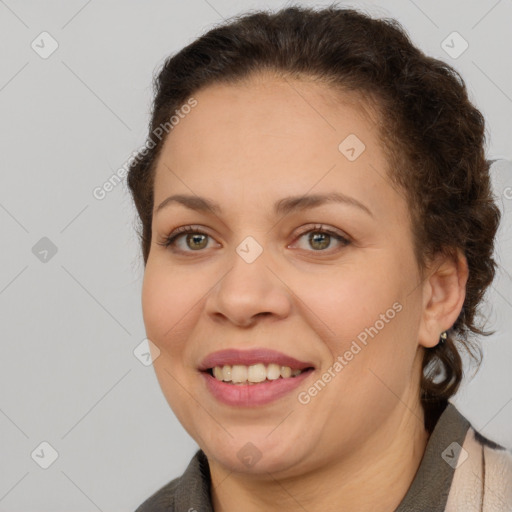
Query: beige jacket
x=482, y=480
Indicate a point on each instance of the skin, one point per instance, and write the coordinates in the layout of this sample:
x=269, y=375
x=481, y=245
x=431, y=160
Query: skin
x=358, y=443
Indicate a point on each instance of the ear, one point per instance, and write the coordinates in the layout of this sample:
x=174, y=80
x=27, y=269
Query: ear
x=444, y=291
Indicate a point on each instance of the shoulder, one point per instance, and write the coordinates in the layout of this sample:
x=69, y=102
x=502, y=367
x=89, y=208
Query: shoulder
x=497, y=474
x=482, y=480
x=162, y=500
x=191, y=491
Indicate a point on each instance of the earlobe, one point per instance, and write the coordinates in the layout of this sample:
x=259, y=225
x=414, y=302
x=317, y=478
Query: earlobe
x=444, y=291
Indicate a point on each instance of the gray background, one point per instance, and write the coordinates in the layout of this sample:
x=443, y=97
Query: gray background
x=70, y=323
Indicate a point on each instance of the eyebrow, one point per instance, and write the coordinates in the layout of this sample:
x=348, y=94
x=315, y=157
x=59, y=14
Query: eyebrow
x=282, y=207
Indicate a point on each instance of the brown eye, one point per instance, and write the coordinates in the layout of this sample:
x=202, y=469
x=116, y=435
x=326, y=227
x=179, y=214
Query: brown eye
x=195, y=240
x=320, y=239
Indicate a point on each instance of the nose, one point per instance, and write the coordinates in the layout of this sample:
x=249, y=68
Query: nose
x=248, y=292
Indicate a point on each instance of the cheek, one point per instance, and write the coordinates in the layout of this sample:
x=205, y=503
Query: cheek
x=154, y=301
x=368, y=319
x=166, y=302
x=348, y=301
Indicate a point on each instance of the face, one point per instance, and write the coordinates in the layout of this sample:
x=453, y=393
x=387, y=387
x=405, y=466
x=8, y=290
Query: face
x=268, y=283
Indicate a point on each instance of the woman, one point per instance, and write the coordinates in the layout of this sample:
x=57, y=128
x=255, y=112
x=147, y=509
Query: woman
x=317, y=231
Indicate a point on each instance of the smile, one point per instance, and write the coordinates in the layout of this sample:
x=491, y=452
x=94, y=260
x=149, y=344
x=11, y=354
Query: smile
x=250, y=378
x=240, y=374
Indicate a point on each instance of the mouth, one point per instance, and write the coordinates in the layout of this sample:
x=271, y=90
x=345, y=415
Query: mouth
x=252, y=377
x=254, y=374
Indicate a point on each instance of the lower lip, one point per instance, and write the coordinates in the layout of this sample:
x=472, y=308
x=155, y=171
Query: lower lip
x=250, y=395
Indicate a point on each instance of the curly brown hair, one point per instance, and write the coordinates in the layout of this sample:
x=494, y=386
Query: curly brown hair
x=432, y=135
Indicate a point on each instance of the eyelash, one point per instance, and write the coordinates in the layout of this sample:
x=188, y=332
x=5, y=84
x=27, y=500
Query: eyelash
x=170, y=240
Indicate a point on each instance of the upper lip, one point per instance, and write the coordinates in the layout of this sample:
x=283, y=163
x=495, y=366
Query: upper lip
x=250, y=357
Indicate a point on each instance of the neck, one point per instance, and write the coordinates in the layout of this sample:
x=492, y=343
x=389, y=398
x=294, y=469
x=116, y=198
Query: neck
x=375, y=478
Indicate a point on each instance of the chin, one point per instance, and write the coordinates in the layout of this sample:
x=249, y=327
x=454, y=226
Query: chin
x=255, y=452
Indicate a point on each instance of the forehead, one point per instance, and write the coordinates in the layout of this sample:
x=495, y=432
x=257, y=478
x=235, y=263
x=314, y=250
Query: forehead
x=267, y=106
x=271, y=136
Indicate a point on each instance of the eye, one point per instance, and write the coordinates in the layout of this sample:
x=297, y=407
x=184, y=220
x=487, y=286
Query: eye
x=194, y=239
x=320, y=238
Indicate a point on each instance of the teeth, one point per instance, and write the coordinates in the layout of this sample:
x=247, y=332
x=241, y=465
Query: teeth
x=240, y=374
x=256, y=373
x=273, y=372
x=286, y=372
x=226, y=373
